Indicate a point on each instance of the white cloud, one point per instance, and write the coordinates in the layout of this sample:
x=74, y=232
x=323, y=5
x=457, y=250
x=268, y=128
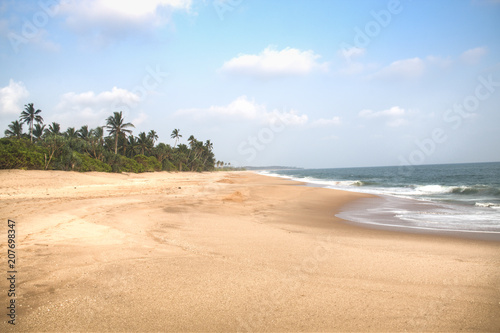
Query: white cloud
x=92, y=109
x=473, y=56
x=130, y=10
x=239, y=108
x=243, y=108
x=439, y=61
x=395, y=111
x=12, y=98
x=111, y=18
x=402, y=69
x=397, y=122
x=141, y=117
x=326, y=122
x=352, y=52
x=272, y=63
x=393, y=116
x=291, y=117
x=352, y=66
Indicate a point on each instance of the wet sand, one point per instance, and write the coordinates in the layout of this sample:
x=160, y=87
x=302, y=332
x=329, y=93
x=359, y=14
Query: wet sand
x=228, y=252
x=381, y=212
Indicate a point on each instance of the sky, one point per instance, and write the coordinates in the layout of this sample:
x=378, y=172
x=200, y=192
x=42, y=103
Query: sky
x=314, y=84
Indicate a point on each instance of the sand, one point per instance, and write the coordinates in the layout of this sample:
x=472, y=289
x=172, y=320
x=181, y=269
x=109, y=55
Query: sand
x=228, y=252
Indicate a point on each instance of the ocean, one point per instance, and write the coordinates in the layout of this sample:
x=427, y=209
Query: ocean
x=462, y=198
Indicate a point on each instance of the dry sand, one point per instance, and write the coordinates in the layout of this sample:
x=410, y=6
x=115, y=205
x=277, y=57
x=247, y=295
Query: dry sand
x=228, y=252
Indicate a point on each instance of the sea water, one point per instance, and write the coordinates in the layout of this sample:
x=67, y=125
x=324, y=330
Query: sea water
x=448, y=197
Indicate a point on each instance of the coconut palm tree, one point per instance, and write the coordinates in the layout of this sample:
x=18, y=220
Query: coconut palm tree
x=84, y=132
x=130, y=146
x=29, y=116
x=96, y=140
x=144, y=142
x=192, y=141
x=38, y=131
x=175, y=135
x=71, y=133
x=181, y=156
x=162, y=152
x=15, y=130
x=153, y=136
x=116, y=126
x=208, y=146
x=54, y=129
x=98, y=133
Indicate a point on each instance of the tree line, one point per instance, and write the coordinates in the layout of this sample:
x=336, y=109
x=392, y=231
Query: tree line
x=47, y=147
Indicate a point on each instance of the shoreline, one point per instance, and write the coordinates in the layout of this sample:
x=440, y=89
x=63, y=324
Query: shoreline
x=352, y=209
x=229, y=251
x=351, y=215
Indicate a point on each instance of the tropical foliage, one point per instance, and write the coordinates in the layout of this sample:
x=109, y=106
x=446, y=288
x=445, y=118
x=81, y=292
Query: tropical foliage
x=48, y=147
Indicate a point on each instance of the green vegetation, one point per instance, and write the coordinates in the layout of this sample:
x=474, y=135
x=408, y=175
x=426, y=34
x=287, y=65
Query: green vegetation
x=21, y=154
x=50, y=148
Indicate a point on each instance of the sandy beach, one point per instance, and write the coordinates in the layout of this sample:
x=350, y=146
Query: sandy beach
x=228, y=251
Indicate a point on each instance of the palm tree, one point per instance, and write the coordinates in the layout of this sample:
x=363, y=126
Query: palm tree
x=84, y=132
x=208, y=146
x=192, y=141
x=144, y=142
x=153, y=136
x=71, y=133
x=98, y=133
x=96, y=140
x=162, y=152
x=116, y=126
x=175, y=135
x=197, y=148
x=38, y=131
x=29, y=116
x=15, y=130
x=131, y=146
x=54, y=129
x=181, y=156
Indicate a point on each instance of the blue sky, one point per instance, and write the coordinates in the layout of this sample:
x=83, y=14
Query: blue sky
x=297, y=83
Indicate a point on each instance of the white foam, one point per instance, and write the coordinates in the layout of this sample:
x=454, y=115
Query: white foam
x=487, y=205
x=401, y=213
x=433, y=189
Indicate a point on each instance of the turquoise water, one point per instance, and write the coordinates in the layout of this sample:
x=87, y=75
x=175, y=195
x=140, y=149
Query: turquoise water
x=458, y=197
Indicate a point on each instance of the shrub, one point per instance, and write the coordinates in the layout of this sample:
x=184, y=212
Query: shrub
x=168, y=166
x=121, y=163
x=21, y=154
x=86, y=163
x=149, y=164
